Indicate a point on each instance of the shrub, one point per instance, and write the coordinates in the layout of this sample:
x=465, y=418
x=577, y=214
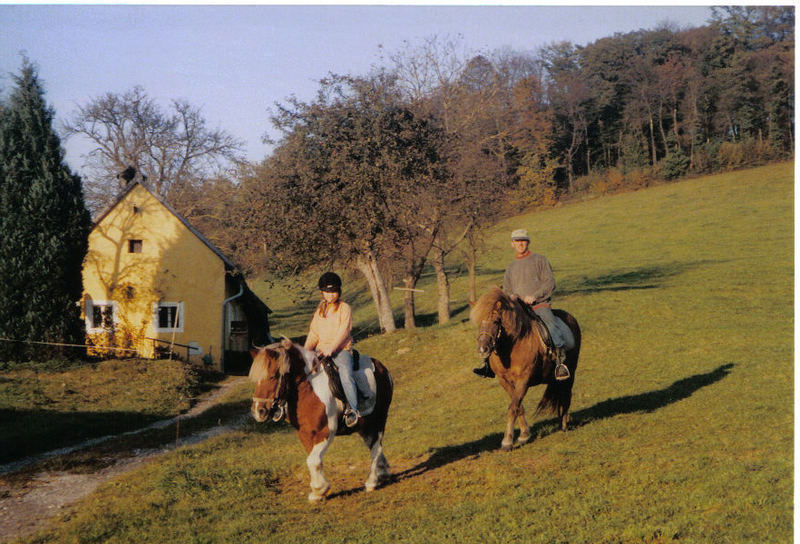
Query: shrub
x=730, y=156
x=674, y=165
x=639, y=178
x=615, y=180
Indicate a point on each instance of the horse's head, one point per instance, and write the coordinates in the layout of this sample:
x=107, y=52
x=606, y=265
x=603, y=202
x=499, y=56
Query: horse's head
x=270, y=373
x=489, y=330
x=496, y=313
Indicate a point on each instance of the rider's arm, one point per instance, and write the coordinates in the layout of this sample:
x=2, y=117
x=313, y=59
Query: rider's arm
x=313, y=337
x=547, y=281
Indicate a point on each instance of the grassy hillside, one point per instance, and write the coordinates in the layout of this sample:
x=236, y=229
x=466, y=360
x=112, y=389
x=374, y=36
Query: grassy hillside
x=42, y=408
x=682, y=414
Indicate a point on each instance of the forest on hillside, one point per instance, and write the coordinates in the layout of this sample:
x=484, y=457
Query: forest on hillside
x=398, y=170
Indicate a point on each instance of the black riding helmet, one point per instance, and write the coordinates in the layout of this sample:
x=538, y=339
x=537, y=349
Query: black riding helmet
x=330, y=283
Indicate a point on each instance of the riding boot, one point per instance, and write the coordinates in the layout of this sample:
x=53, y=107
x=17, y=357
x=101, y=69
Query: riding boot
x=485, y=371
x=561, y=371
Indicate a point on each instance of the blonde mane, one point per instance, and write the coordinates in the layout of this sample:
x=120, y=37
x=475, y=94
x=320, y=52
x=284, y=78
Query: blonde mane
x=279, y=351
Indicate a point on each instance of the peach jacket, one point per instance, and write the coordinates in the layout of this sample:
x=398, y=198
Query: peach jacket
x=331, y=331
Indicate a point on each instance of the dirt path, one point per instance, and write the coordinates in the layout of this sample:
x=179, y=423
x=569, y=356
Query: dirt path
x=25, y=511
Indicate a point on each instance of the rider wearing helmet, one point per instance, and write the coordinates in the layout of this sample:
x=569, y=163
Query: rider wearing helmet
x=329, y=334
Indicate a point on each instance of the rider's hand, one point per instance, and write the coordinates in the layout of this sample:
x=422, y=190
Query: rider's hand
x=529, y=299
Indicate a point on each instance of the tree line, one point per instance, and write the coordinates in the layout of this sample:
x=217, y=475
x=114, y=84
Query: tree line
x=401, y=169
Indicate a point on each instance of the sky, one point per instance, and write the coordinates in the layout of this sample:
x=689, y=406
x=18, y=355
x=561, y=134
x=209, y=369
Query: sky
x=236, y=62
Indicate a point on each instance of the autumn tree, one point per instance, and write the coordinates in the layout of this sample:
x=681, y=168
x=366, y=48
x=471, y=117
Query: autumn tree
x=349, y=165
x=170, y=147
x=468, y=95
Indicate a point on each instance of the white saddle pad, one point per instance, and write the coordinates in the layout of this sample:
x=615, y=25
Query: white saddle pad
x=365, y=384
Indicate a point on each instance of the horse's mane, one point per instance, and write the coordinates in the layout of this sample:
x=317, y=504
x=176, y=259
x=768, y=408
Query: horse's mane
x=515, y=319
x=259, y=370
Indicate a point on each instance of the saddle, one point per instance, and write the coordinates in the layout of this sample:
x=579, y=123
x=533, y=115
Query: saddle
x=335, y=380
x=543, y=331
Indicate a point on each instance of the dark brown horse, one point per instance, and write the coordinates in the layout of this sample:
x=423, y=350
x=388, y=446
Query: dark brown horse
x=519, y=358
x=290, y=382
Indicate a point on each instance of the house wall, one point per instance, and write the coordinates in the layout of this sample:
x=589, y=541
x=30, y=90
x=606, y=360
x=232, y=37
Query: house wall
x=174, y=266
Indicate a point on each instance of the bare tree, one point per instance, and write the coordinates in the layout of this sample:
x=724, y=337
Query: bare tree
x=168, y=148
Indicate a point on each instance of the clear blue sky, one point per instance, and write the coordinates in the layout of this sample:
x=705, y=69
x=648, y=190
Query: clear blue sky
x=235, y=62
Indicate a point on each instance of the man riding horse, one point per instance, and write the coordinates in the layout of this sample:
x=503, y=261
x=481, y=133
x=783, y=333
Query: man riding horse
x=530, y=278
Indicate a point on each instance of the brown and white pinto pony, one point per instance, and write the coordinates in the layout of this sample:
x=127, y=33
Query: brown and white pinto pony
x=288, y=381
x=519, y=358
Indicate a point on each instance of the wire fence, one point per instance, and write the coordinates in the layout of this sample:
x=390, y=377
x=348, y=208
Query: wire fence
x=59, y=344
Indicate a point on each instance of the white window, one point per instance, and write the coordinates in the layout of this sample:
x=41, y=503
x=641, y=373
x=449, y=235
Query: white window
x=101, y=315
x=168, y=316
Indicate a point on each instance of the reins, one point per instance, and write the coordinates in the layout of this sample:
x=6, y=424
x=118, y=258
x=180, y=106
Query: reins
x=278, y=402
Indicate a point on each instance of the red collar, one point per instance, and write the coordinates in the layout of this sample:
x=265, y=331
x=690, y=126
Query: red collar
x=527, y=252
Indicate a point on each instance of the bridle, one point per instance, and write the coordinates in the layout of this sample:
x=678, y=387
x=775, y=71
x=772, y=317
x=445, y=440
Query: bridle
x=485, y=334
x=277, y=404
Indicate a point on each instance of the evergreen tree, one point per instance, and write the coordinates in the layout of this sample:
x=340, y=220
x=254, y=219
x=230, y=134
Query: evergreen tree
x=44, y=226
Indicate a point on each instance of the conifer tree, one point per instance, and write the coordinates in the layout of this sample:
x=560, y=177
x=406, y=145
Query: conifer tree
x=44, y=227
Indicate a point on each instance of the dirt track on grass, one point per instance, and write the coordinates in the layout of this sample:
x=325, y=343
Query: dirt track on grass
x=31, y=507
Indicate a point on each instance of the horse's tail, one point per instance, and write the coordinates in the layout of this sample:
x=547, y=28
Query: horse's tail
x=385, y=385
x=557, y=397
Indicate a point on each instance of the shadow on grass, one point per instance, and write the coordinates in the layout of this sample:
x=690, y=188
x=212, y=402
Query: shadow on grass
x=31, y=432
x=645, y=402
x=648, y=277
x=431, y=319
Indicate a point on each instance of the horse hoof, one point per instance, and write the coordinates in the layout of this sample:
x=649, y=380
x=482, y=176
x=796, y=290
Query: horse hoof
x=317, y=495
x=523, y=438
x=370, y=487
x=506, y=447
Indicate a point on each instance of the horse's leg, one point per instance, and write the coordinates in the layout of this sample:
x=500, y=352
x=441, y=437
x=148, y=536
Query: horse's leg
x=508, y=436
x=524, y=428
x=379, y=466
x=563, y=407
x=516, y=413
x=319, y=484
x=520, y=390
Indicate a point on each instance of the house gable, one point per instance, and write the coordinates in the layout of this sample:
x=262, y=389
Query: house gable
x=166, y=281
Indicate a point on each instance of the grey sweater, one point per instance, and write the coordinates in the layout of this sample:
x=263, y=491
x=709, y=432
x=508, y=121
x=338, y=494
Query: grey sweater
x=530, y=275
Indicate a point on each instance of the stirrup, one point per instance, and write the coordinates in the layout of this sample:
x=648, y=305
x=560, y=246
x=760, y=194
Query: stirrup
x=561, y=372
x=350, y=417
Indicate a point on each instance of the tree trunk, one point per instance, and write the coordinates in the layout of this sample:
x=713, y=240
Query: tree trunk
x=661, y=127
x=588, y=152
x=653, y=140
x=368, y=266
x=410, y=283
x=443, y=286
x=472, y=266
x=675, y=128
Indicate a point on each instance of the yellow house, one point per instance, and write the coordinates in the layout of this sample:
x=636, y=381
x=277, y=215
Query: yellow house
x=153, y=284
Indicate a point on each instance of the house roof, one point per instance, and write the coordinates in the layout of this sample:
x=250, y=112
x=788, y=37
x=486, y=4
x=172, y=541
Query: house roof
x=128, y=188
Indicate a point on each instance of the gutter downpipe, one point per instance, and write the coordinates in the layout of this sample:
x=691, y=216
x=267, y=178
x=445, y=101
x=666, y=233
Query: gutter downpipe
x=225, y=324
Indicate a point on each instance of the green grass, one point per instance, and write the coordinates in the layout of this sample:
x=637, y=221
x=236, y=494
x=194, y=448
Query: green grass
x=42, y=409
x=682, y=414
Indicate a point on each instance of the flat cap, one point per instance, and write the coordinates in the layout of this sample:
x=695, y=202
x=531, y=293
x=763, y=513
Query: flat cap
x=520, y=234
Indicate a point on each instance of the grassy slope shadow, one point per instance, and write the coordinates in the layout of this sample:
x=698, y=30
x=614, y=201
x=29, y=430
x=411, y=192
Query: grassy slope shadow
x=644, y=402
